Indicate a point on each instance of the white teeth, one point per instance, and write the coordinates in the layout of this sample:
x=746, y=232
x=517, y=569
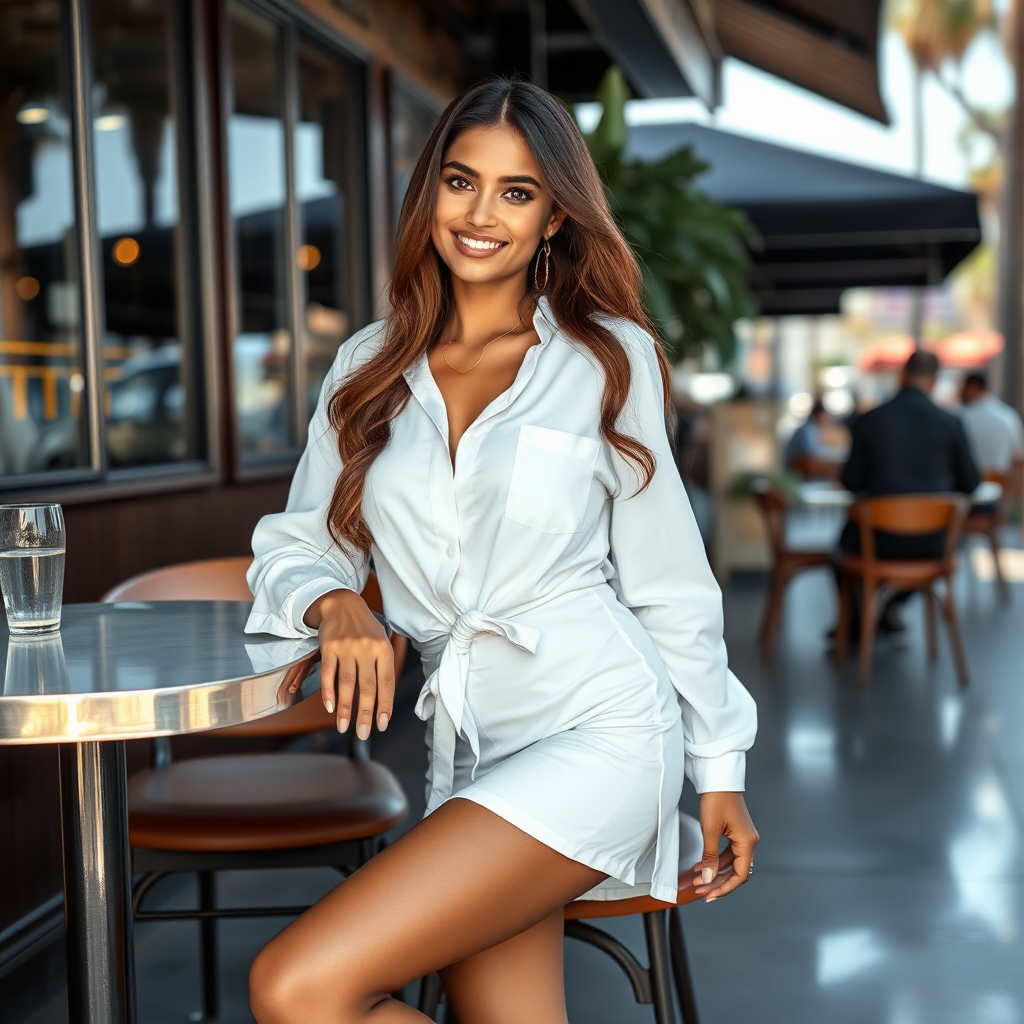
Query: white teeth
x=474, y=243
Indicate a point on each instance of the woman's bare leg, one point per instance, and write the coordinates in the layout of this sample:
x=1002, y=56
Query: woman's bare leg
x=460, y=882
x=520, y=980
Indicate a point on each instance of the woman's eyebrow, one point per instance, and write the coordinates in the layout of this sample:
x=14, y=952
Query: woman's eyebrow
x=455, y=165
x=505, y=179
x=519, y=179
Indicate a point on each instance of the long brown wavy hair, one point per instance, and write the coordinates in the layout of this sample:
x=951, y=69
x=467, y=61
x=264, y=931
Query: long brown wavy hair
x=592, y=271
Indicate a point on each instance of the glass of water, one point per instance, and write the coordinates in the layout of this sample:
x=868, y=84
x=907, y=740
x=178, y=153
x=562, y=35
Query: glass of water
x=32, y=566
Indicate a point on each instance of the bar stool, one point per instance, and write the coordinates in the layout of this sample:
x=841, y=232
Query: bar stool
x=250, y=811
x=663, y=932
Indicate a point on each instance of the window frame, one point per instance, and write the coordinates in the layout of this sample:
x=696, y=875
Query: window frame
x=196, y=290
x=208, y=304
x=295, y=23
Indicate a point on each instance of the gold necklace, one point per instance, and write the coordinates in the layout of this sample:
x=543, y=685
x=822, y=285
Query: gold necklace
x=444, y=351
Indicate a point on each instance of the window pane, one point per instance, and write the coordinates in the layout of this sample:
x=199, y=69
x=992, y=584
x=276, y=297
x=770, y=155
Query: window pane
x=152, y=400
x=412, y=121
x=42, y=386
x=257, y=190
x=327, y=143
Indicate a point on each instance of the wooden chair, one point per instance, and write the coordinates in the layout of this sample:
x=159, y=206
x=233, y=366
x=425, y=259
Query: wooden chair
x=989, y=522
x=786, y=561
x=906, y=515
x=811, y=468
x=663, y=932
x=247, y=811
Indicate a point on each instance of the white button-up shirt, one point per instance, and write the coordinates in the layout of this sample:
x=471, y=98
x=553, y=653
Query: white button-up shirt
x=538, y=542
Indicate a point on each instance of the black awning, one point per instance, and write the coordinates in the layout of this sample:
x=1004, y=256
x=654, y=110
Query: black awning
x=827, y=46
x=825, y=225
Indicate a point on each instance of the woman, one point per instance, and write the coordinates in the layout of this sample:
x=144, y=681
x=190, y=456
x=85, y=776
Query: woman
x=499, y=445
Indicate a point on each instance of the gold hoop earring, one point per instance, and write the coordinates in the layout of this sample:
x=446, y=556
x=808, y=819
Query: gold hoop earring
x=545, y=252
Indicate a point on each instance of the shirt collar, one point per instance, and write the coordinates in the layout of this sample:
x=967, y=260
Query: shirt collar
x=425, y=390
x=544, y=322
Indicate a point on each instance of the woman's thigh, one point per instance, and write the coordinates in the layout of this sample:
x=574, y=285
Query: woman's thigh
x=520, y=979
x=462, y=881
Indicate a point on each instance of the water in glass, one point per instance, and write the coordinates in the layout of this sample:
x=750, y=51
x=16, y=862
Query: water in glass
x=32, y=567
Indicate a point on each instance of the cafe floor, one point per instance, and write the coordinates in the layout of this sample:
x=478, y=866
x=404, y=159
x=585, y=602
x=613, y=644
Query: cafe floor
x=889, y=884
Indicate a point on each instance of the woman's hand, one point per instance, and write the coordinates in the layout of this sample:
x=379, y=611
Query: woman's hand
x=724, y=814
x=353, y=649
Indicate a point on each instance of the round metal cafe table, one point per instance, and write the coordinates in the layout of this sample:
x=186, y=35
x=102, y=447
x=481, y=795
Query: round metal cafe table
x=117, y=672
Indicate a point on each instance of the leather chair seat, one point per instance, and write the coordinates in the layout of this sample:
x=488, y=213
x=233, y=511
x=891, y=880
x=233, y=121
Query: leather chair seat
x=691, y=849
x=909, y=571
x=261, y=802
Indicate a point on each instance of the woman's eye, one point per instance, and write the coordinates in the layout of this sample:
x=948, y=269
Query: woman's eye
x=458, y=183
x=519, y=195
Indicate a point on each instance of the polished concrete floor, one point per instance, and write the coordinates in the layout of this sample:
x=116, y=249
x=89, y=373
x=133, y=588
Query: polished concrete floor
x=889, y=884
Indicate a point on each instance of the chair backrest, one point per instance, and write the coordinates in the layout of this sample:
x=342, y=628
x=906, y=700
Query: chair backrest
x=812, y=468
x=1006, y=480
x=215, y=579
x=910, y=515
x=773, y=506
x=223, y=579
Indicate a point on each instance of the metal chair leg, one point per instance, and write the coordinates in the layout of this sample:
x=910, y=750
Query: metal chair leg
x=681, y=968
x=208, y=945
x=660, y=970
x=430, y=994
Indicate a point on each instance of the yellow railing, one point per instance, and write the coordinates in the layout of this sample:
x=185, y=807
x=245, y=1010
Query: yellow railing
x=20, y=373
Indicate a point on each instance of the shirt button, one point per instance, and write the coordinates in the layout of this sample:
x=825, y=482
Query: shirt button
x=449, y=552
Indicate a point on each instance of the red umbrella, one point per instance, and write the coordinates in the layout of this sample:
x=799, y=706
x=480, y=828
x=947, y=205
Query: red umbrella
x=969, y=348
x=888, y=353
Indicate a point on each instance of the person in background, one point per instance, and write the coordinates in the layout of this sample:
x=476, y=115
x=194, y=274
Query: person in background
x=907, y=446
x=993, y=428
x=806, y=443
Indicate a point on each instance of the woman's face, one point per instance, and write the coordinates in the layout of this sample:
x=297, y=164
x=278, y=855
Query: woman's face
x=493, y=206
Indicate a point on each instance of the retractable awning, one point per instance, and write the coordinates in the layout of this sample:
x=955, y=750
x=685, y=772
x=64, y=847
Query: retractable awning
x=827, y=46
x=825, y=225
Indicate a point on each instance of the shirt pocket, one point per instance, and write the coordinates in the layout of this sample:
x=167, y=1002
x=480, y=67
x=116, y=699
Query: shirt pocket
x=551, y=479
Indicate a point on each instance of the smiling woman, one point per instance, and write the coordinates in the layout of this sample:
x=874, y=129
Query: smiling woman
x=499, y=445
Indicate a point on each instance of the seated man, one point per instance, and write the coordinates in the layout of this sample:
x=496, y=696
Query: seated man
x=907, y=446
x=993, y=428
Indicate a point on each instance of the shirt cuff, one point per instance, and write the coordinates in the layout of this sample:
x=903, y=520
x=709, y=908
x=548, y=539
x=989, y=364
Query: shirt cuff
x=297, y=603
x=287, y=621
x=723, y=774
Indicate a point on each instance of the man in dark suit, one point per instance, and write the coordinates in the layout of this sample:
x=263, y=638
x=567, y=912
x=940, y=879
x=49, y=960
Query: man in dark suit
x=907, y=446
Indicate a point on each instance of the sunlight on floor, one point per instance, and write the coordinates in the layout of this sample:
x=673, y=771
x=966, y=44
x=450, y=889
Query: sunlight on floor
x=1011, y=561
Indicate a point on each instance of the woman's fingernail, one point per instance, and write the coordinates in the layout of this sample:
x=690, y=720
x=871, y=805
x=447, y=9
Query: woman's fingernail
x=363, y=730
x=329, y=704
x=711, y=899
x=707, y=875
x=343, y=725
x=382, y=721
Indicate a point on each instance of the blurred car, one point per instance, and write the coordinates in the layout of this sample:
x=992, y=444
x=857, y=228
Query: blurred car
x=145, y=413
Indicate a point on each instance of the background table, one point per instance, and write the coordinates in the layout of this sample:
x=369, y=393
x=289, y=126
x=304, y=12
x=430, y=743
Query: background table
x=117, y=672
x=825, y=495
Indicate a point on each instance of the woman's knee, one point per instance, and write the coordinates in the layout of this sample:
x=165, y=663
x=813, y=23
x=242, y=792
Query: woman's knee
x=279, y=987
x=286, y=987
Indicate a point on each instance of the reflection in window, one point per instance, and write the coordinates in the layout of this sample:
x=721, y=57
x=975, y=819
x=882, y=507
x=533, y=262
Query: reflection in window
x=412, y=120
x=148, y=359
x=42, y=421
x=324, y=175
x=258, y=198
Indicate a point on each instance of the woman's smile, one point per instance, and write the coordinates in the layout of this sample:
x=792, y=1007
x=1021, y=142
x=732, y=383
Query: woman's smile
x=469, y=243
